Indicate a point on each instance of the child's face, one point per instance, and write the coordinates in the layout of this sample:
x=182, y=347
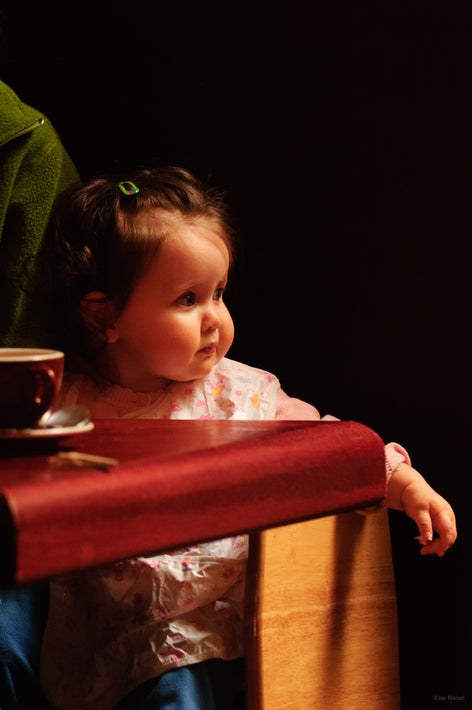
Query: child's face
x=175, y=325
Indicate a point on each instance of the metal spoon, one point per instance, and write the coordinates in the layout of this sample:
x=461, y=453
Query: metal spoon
x=75, y=416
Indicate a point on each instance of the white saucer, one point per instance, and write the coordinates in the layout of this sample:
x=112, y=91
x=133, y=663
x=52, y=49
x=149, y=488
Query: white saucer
x=45, y=433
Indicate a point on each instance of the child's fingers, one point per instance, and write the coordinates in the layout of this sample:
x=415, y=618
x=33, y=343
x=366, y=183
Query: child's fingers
x=437, y=547
x=430, y=550
x=425, y=527
x=445, y=526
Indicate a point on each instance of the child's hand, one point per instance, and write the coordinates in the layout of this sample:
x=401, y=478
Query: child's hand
x=408, y=491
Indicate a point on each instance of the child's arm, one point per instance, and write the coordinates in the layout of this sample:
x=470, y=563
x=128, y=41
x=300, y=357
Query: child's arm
x=408, y=491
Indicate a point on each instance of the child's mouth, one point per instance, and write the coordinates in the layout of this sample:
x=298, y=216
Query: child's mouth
x=209, y=350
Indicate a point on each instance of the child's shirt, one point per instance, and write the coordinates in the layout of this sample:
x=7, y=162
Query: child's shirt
x=112, y=628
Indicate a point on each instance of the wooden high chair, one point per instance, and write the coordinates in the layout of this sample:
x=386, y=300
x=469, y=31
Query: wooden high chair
x=321, y=629
x=320, y=625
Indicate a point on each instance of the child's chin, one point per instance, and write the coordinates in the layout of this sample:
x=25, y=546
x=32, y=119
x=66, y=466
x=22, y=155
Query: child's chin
x=206, y=370
x=207, y=366
x=196, y=373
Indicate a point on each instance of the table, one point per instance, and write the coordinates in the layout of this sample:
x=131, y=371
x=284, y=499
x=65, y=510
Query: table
x=176, y=482
x=180, y=482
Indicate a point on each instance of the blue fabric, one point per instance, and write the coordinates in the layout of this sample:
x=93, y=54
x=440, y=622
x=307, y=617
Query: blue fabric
x=23, y=615
x=211, y=685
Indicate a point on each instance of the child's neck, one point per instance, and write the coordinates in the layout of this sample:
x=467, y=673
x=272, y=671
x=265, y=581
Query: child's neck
x=156, y=384
x=117, y=376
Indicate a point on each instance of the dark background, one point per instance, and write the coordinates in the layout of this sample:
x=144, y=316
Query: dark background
x=343, y=137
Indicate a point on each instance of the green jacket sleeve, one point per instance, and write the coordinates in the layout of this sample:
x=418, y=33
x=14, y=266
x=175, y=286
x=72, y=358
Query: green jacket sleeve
x=34, y=170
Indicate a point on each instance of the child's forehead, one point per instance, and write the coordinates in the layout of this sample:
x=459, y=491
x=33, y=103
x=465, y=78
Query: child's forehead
x=164, y=223
x=197, y=243
x=190, y=251
x=173, y=220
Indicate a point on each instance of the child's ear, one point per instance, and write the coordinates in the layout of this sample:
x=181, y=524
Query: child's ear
x=99, y=314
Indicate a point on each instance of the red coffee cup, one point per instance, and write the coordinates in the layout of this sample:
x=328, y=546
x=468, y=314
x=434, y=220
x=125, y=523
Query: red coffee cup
x=30, y=381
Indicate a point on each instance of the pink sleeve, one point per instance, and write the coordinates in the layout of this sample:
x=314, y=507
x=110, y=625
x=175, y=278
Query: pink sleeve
x=395, y=454
x=295, y=409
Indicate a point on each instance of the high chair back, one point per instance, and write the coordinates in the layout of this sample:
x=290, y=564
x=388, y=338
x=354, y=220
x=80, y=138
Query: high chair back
x=321, y=628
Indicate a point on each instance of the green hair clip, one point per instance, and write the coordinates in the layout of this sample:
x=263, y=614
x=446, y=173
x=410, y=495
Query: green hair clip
x=128, y=188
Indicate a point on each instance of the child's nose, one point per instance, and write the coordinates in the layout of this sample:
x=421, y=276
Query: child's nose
x=211, y=319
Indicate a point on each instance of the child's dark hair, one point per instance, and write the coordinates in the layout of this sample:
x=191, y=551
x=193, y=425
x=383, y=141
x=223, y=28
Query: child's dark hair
x=101, y=239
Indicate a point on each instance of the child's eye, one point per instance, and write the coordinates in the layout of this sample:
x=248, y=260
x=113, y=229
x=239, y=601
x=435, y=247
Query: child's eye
x=187, y=299
x=218, y=294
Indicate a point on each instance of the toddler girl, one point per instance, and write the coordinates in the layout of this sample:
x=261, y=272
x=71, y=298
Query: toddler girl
x=138, y=271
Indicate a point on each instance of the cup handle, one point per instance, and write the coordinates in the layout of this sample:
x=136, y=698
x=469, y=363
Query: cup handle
x=46, y=383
